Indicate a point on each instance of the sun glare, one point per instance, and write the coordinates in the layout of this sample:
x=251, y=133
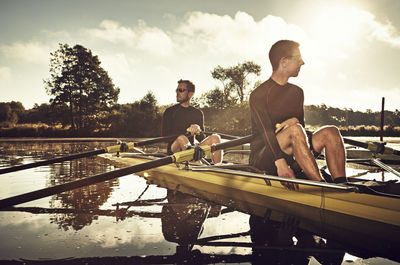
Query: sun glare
x=339, y=26
x=336, y=28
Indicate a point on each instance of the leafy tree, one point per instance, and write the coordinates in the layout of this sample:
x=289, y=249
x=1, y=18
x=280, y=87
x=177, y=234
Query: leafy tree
x=6, y=114
x=216, y=99
x=11, y=112
x=45, y=113
x=140, y=119
x=234, y=79
x=80, y=84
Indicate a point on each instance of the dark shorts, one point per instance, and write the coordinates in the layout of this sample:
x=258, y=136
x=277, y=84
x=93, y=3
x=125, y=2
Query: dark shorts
x=309, y=137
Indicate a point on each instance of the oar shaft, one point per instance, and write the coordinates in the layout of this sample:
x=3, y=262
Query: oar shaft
x=236, y=142
x=355, y=143
x=155, y=140
x=177, y=157
x=110, y=149
x=223, y=135
x=51, y=161
x=373, y=147
x=34, y=195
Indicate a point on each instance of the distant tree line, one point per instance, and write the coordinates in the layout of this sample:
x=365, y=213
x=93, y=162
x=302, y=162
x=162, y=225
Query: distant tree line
x=83, y=102
x=143, y=119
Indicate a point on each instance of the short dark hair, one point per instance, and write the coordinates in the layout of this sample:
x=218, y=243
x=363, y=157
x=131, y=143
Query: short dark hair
x=189, y=85
x=280, y=49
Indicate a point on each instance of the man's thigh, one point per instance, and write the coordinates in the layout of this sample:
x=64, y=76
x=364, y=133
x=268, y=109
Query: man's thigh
x=284, y=140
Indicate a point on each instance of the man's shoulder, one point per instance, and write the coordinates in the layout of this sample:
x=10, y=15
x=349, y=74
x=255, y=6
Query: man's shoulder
x=194, y=109
x=262, y=88
x=295, y=87
x=172, y=108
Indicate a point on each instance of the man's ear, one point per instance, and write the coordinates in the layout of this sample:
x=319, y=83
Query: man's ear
x=283, y=62
x=190, y=94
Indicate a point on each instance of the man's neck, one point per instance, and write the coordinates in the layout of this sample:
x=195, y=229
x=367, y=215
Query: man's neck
x=279, y=78
x=185, y=104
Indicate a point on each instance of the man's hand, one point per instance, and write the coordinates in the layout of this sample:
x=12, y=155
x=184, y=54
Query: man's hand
x=194, y=129
x=285, y=171
x=286, y=124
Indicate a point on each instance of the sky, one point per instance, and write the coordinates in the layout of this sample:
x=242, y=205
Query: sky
x=351, y=48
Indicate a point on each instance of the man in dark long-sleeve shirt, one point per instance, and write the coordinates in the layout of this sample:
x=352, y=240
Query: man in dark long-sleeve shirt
x=277, y=116
x=182, y=118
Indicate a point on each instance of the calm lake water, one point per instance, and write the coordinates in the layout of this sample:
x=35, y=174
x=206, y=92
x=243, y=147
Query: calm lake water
x=150, y=225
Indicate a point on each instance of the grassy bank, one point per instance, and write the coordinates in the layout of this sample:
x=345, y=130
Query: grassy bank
x=44, y=130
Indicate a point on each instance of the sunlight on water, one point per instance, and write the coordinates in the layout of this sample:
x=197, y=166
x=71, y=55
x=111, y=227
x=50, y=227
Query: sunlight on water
x=123, y=217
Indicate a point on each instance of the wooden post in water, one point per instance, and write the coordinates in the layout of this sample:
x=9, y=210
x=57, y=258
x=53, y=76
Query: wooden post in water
x=382, y=118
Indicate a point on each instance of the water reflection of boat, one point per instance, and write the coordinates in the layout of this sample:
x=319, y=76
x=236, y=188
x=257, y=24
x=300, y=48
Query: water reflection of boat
x=182, y=219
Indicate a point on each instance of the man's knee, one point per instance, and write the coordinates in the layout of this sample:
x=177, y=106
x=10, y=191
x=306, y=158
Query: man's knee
x=326, y=135
x=297, y=131
x=212, y=139
x=215, y=139
x=179, y=143
x=330, y=132
x=182, y=139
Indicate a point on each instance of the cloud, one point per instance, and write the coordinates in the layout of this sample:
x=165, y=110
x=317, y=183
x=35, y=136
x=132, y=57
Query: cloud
x=31, y=52
x=385, y=32
x=112, y=31
x=5, y=75
x=140, y=37
x=116, y=63
x=200, y=33
x=240, y=35
x=348, y=26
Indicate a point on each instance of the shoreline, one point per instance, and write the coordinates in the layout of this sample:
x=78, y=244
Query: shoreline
x=67, y=139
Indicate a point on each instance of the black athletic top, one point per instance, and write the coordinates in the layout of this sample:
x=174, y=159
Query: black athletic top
x=271, y=103
x=177, y=119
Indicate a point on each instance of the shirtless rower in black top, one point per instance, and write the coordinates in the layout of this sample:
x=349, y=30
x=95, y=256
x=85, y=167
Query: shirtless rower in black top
x=181, y=117
x=277, y=118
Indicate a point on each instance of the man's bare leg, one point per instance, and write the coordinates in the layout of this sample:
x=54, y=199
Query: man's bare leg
x=293, y=141
x=179, y=144
x=329, y=137
x=210, y=140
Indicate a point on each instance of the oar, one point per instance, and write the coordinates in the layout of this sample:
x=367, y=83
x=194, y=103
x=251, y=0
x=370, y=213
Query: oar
x=110, y=149
x=373, y=147
x=223, y=135
x=175, y=158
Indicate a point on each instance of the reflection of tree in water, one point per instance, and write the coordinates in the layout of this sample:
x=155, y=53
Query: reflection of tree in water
x=89, y=197
x=17, y=153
